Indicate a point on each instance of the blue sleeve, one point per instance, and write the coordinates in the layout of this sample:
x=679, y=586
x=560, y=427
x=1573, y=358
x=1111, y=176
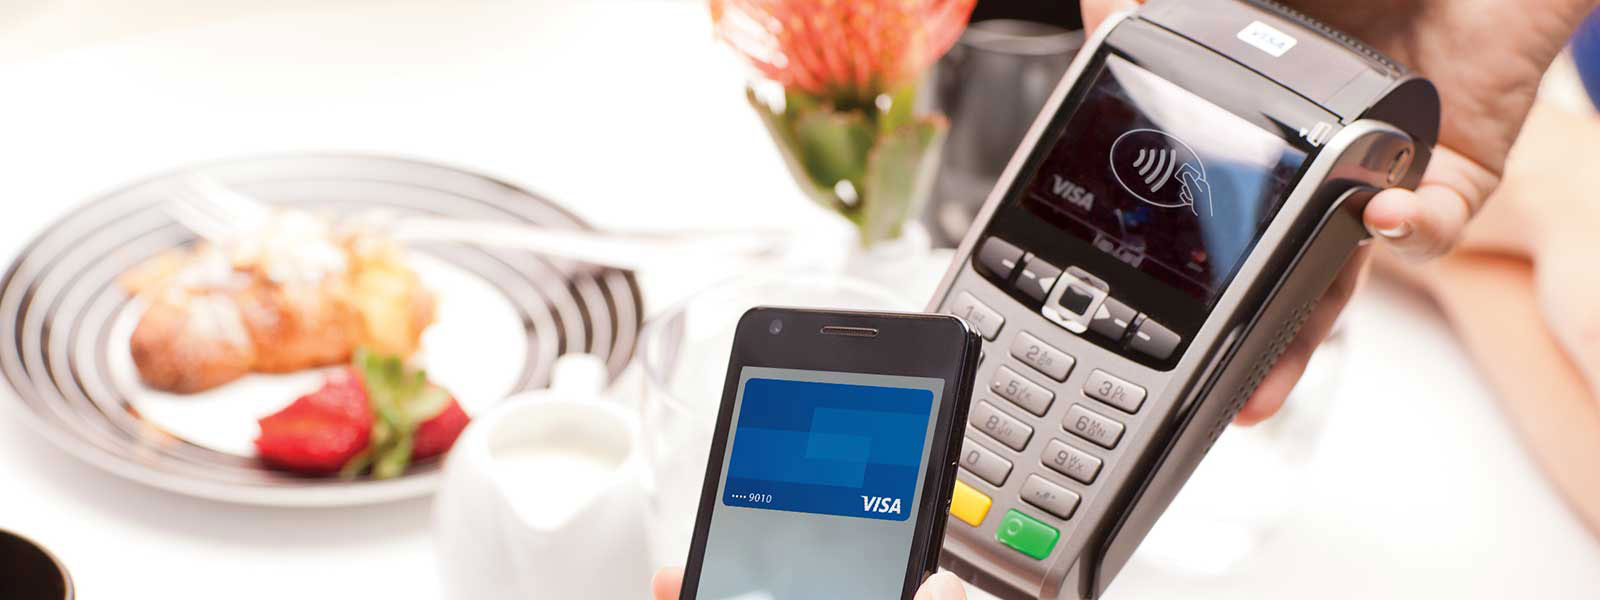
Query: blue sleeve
x=1586, y=52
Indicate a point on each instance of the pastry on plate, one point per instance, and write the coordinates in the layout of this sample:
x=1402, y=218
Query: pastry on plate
x=296, y=294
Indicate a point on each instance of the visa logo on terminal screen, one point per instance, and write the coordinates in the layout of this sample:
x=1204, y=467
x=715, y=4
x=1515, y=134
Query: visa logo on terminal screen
x=828, y=448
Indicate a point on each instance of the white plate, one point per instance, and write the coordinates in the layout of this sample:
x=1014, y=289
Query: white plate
x=503, y=318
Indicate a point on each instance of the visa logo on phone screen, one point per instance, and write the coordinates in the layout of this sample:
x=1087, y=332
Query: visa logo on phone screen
x=828, y=448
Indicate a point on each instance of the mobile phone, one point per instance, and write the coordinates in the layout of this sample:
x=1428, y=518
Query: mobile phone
x=1189, y=192
x=834, y=456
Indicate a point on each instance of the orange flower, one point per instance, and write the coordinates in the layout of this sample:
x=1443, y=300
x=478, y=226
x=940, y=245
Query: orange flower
x=848, y=49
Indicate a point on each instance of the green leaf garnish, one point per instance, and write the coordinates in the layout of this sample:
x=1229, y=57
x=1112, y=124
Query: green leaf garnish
x=401, y=399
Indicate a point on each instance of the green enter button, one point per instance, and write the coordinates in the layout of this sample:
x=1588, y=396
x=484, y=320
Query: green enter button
x=1027, y=535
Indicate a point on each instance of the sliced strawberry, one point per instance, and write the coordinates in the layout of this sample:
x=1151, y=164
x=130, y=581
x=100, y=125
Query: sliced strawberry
x=321, y=431
x=437, y=434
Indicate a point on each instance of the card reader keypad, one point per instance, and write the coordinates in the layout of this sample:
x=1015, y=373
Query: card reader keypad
x=1034, y=389
x=1027, y=382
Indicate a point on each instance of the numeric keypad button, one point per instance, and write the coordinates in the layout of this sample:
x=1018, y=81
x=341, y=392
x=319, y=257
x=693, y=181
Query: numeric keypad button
x=1072, y=462
x=1092, y=426
x=1033, y=352
x=1005, y=428
x=1054, y=499
x=984, y=463
x=1029, y=395
x=1114, y=390
x=986, y=320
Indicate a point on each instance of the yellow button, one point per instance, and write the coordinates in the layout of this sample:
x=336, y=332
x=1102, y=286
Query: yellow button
x=968, y=504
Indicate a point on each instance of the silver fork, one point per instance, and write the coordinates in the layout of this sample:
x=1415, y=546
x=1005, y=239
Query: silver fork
x=217, y=213
x=212, y=211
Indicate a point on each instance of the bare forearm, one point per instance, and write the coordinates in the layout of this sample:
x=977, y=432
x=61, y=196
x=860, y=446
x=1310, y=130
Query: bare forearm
x=1491, y=303
x=1541, y=196
x=1584, y=7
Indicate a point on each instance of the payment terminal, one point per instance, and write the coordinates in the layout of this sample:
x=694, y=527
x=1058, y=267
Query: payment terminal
x=1190, y=190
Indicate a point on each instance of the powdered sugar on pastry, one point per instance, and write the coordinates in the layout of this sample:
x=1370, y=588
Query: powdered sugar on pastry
x=296, y=293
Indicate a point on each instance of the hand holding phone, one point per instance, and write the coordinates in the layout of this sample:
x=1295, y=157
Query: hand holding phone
x=940, y=586
x=833, y=460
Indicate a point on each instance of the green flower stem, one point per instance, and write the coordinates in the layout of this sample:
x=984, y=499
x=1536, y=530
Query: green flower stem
x=872, y=164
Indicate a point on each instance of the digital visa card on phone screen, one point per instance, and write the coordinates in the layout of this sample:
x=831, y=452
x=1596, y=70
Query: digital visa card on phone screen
x=828, y=448
x=820, y=485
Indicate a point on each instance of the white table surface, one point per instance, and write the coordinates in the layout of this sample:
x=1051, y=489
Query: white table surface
x=631, y=115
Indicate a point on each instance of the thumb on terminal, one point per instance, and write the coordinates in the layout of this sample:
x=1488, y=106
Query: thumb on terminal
x=1096, y=11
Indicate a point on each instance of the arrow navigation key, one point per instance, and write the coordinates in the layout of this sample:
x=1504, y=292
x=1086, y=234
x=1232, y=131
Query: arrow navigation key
x=1036, y=278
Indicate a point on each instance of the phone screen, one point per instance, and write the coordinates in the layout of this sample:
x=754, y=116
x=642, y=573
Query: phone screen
x=821, y=480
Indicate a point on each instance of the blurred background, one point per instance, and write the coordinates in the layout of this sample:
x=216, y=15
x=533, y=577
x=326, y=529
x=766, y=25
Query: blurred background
x=625, y=126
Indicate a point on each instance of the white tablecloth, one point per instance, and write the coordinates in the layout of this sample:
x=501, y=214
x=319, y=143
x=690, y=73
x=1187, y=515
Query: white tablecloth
x=631, y=115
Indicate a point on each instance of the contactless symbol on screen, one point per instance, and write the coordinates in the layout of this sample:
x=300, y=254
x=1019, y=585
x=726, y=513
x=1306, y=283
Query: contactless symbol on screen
x=1161, y=170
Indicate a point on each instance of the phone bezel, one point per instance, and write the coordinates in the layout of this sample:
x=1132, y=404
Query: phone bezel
x=907, y=344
